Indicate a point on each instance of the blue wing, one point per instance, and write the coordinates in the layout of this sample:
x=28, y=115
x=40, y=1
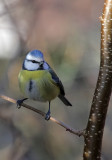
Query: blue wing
x=55, y=78
x=59, y=83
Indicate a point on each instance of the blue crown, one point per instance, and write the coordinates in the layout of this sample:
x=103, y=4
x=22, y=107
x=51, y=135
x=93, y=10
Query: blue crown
x=37, y=54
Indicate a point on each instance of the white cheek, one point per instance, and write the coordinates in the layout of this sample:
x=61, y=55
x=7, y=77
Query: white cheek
x=31, y=66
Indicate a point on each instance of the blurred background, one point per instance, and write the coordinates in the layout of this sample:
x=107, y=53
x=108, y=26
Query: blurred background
x=68, y=33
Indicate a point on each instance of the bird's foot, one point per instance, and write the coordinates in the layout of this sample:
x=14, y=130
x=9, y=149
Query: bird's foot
x=47, y=117
x=19, y=102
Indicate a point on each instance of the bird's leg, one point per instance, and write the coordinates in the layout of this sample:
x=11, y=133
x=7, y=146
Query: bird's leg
x=48, y=113
x=20, y=101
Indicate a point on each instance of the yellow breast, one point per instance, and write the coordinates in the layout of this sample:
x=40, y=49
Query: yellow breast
x=38, y=85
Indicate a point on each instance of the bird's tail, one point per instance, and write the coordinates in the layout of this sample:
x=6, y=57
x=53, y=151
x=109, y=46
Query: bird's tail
x=64, y=100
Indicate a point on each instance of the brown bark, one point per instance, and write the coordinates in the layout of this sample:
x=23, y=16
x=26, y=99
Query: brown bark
x=97, y=117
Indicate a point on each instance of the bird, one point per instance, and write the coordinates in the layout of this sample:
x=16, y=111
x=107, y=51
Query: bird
x=39, y=82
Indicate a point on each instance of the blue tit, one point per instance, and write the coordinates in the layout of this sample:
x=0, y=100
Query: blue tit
x=38, y=81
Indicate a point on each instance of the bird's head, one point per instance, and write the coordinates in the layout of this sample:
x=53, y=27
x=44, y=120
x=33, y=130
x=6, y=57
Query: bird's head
x=34, y=60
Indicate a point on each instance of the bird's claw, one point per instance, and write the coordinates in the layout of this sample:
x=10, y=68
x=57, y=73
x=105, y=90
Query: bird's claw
x=47, y=117
x=19, y=102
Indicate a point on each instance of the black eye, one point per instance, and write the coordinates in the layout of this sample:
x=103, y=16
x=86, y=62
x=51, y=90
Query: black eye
x=33, y=61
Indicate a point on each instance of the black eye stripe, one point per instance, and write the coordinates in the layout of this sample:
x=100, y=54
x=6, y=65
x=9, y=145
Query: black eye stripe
x=33, y=61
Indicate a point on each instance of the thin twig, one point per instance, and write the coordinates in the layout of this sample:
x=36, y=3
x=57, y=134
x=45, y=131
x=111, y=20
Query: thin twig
x=68, y=128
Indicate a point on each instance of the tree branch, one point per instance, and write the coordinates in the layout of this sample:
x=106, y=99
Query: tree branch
x=68, y=128
x=96, y=122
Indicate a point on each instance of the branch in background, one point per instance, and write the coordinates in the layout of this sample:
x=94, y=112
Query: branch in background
x=96, y=122
x=31, y=24
x=20, y=144
x=71, y=130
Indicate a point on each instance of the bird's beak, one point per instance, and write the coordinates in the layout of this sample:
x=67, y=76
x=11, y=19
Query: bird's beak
x=41, y=63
